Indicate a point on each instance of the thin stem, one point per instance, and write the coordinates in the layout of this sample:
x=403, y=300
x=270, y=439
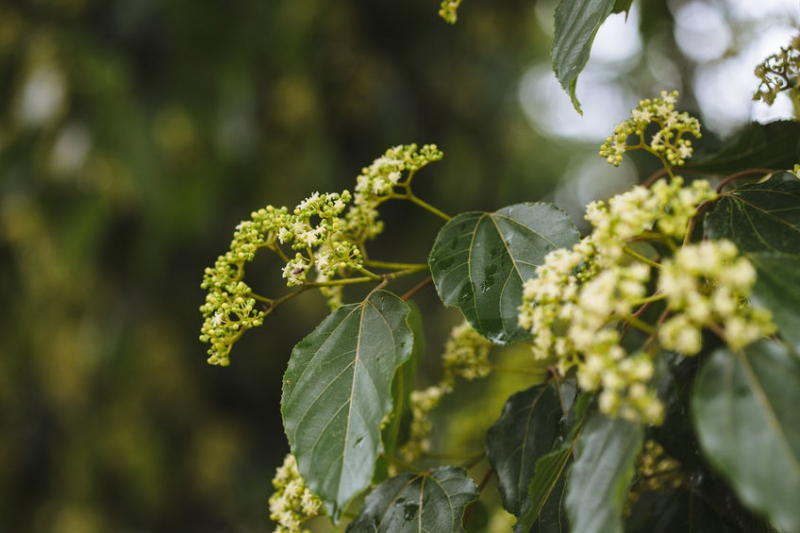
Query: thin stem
x=418, y=287
x=402, y=464
x=641, y=325
x=396, y=266
x=641, y=258
x=335, y=282
x=468, y=456
x=262, y=299
x=654, y=178
x=277, y=249
x=743, y=174
x=485, y=480
x=372, y=275
x=428, y=207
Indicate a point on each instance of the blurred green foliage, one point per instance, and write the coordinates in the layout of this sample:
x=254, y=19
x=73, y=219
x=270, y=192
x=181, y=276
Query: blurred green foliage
x=133, y=137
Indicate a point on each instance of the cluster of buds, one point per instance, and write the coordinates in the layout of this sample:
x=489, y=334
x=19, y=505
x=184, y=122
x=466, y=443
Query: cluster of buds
x=655, y=470
x=779, y=72
x=448, y=10
x=380, y=181
x=669, y=142
x=708, y=285
x=322, y=236
x=466, y=354
x=584, y=299
x=230, y=308
x=292, y=503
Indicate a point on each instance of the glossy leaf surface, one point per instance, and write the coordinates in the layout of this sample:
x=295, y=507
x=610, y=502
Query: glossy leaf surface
x=577, y=22
x=480, y=260
x=598, y=483
x=525, y=431
x=778, y=289
x=337, y=390
x=763, y=217
x=428, y=502
x=745, y=413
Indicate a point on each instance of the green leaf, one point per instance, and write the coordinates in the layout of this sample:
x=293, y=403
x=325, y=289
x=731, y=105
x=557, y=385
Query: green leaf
x=396, y=431
x=525, y=431
x=427, y=502
x=763, y=217
x=480, y=260
x=577, y=22
x=778, y=289
x=772, y=146
x=745, y=410
x=543, y=509
x=622, y=6
x=600, y=476
x=336, y=392
x=685, y=510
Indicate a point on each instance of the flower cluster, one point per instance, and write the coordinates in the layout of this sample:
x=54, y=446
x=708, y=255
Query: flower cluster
x=584, y=299
x=667, y=143
x=422, y=402
x=655, y=470
x=466, y=354
x=378, y=183
x=707, y=285
x=292, y=503
x=448, y=10
x=230, y=309
x=320, y=234
x=779, y=72
x=315, y=228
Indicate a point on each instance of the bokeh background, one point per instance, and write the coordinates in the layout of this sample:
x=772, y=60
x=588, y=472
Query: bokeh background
x=135, y=135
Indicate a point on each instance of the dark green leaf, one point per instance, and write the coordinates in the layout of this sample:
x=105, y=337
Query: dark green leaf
x=622, y=6
x=543, y=509
x=429, y=502
x=480, y=260
x=577, y=22
x=600, y=476
x=778, y=289
x=763, y=217
x=525, y=431
x=337, y=390
x=745, y=410
x=396, y=431
x=684, y=510
x=772, y=146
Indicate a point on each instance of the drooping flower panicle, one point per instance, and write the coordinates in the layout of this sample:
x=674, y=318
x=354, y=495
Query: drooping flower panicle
x=326, y=233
